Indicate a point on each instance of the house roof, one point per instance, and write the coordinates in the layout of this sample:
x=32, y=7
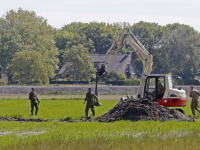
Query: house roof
x=98, y=57
x=118, y=63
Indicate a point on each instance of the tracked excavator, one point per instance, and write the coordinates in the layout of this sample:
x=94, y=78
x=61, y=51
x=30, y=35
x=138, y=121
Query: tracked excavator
x=156, y=87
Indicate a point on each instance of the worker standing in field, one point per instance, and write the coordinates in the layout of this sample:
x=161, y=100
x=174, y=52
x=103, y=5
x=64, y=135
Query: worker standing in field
x=194, y=94
x=34, y=101
x=90, y=102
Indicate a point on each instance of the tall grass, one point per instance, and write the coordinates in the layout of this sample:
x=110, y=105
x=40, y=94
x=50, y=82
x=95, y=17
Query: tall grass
x=90, y=135
x=145, y=142
x=95, y=135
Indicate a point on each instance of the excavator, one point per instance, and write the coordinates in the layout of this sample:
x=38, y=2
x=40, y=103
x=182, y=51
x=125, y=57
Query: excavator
x=156, y=87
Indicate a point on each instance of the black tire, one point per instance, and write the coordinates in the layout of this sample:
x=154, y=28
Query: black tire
x=181, y=110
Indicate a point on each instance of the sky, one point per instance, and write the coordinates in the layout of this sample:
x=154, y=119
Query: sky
x=62, y=12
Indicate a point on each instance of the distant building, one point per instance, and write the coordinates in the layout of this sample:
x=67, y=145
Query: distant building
x=120, y=63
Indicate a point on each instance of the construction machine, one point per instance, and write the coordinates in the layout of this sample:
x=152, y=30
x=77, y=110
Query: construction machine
x=156, y=87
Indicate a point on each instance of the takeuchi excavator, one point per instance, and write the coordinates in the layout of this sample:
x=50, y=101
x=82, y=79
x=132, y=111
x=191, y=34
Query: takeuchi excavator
x=156, y=87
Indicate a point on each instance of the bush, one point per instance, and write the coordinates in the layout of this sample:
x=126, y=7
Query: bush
x=185, y=82
x=112, y=76
x=134, y=82
x=68, y=82
x=2, y=82
x=122, y=77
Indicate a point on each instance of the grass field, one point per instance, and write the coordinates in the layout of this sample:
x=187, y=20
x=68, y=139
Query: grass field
x=90, y=135
x=52, y=109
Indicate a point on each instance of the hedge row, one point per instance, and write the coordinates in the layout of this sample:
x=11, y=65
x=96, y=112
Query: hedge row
x=185, y=82
x=68, y=82
x=134, y=82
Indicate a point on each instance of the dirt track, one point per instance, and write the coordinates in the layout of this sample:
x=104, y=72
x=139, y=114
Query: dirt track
x=21, y=119
x=2, y=118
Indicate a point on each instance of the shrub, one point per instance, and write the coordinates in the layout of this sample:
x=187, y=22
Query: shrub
x=129, y=82
x=122, y=77
x=2, y=82
x=185, y=82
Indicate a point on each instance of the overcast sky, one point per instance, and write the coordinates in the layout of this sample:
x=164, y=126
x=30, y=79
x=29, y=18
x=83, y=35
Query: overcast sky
x=61, y=12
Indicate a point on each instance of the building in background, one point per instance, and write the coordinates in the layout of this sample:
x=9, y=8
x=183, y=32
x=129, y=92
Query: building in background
x=120, y=63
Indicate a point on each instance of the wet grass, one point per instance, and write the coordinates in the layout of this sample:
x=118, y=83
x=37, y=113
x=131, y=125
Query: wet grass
x=90, y=135
x=59, y=109
x=64, y=109
x=95, y=135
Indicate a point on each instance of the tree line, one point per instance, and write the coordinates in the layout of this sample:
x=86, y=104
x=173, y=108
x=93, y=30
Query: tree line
x=32, y=51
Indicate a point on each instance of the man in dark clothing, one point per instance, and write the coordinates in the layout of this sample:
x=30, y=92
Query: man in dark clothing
x=34, y=101
x=90, y=102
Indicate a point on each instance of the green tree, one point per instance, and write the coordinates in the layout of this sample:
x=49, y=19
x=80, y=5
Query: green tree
x=24, y=30
x=122, y=77
x=79, y=63
x=102, y=34
x=181, y=51
x=112, y=76
x=65, y=39
x=151, y=36
x=30, y=67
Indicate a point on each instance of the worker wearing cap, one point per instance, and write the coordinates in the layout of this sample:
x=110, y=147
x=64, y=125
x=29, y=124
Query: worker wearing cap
x=90, y=103
x=34, y=101
x=194, y=94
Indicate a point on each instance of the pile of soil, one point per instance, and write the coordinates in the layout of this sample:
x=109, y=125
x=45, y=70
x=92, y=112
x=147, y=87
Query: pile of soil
x=144, y=110
x=21, y=119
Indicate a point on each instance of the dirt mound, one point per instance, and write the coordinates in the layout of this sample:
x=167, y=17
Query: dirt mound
x=144, y=110
x=21, y=119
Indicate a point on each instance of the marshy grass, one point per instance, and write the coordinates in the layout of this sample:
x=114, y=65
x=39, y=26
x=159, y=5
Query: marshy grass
x=57, y=134
x=95, y=135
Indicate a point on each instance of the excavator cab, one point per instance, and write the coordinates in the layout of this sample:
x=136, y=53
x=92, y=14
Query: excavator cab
x=159, y=88
x=154, y=87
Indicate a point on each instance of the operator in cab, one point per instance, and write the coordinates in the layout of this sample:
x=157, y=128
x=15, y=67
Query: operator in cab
x=161, y=88
x=194, y=94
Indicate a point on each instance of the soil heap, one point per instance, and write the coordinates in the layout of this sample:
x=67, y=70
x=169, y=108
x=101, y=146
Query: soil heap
x=144, y=110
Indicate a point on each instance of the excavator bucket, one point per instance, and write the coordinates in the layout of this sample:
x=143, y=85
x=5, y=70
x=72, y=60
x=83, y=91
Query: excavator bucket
x=97, y=104
x=125, y=98
x=102, y=72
